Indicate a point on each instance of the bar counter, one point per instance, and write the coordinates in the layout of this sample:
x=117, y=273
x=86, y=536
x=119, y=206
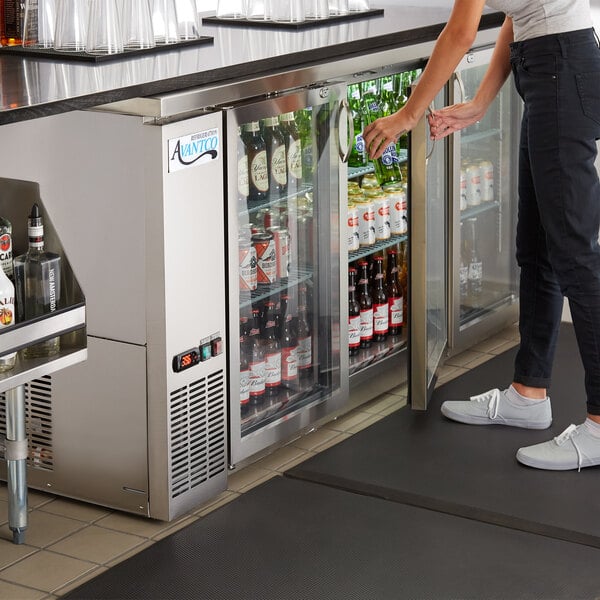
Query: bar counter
x=36, y=87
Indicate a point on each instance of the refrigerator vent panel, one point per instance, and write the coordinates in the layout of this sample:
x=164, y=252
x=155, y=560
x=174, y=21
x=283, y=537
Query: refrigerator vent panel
x=197, y=427
x=38, y=423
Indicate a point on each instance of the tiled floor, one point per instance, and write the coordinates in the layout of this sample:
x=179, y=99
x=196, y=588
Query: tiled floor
x=70, y=542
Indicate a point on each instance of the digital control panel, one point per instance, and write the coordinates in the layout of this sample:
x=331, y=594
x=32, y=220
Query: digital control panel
x=207, y=349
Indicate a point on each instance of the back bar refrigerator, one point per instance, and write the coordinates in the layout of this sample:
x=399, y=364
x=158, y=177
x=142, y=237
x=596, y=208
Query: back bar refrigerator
x=285, y=166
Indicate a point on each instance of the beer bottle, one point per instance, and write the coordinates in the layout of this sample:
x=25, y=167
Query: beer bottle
x=242, y=155
x=463, y=270
x=380, y=303
x=272, y=350
x=304, y=336
x=358, y=157
x=293, y=149
x=257, y=360
x=289, y=344
x=353, y=314
x=245, y=358
x=403, y=277
x=366, y=305
x=475, y=265
x=304, y=121
x=394, y=292
x=276, y=158
x=256, y=149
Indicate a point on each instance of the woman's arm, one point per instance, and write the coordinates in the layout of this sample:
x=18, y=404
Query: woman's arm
x=456, y=38
x=447, y=120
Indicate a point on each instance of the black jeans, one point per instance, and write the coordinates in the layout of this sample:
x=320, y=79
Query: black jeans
x=558, y=78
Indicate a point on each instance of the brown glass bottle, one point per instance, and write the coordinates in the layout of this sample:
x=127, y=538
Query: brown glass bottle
x=272, y=350
x=289, y=344
x=304, y=335
x=380, y=303
x=293, y=148
x=11, y=22
x=394, y=292
x=366, y=305
x=257, y=360
x=258, y=172
x=245, y=359
x=353, y=314
x=276, y=158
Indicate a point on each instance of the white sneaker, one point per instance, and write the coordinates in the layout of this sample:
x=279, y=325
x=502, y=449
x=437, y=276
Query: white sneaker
x=497, y=408
x=574, y=448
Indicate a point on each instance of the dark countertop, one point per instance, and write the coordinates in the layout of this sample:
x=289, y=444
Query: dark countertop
x=32, y=87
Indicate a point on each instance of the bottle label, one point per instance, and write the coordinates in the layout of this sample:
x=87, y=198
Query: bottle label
x=273, y=369
x=396, y=316
x=354, y=331
x=389, y=156
x=295, y=159
x=248, y=272
x=359, y=144
x=244, y=386
x=366, y=324
x=476, y=271
x=380, y=318
x=243, y=183
x=6, y=262
x=7, y=318
x=305, y=353
x=259, y=171
x=279, y=165
x=289, y=363
x=257, y=378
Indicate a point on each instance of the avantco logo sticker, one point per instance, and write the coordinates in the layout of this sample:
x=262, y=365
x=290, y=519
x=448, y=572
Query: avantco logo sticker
x=195, y=149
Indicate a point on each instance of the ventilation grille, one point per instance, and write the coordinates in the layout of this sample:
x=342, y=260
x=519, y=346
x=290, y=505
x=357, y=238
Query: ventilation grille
x=38, y=423
x=197, y=428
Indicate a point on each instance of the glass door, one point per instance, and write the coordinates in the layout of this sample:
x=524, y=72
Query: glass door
x=484, y=271
x=284, y=286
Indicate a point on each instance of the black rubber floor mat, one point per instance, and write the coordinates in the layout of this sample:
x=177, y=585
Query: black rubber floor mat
x=424, y=459
x=294, y=540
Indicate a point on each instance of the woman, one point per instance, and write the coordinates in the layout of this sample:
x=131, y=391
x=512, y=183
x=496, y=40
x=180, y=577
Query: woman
x=552, y=51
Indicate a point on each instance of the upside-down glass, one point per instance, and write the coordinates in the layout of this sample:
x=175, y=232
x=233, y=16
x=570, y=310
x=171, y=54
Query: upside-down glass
x=70, y=33
x=187, y=20
x=338, y=7
x=104, y=28
x=358, y=5
x=164, y=21
x=317, y=9
x=39, y=23
x=231, y=9
x=260, y=10
x=288, y=11
x=136, y=19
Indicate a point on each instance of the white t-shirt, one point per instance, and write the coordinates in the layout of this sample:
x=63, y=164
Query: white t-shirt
x=533, y=18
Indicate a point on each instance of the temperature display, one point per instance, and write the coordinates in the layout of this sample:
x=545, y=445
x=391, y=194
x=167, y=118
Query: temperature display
x=185, y=360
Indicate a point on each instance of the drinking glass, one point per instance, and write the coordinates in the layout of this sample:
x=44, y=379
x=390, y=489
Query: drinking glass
x=231, y=9
x=164, y=21
x=317, y=9
x=187, y=20
x=104, y=31
x=39, y=23
x=137, y=24
x=260, y=10
x=358, y=5
x=338, y=7
x=288, y=11
x=71, y=25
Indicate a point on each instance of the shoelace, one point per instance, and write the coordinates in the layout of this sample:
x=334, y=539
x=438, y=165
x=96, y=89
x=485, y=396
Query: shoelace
x=567, y=435
x=492, y=398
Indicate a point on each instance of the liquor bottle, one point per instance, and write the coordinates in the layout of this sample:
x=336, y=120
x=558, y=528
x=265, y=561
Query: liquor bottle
x=358, y=157
x=272, y=350
x=475, y=265
x=304, y=334
x=6, y=257
x=276, y=157
x=387, y=169
x=293, y=149
x=380, y=303
x=37, y=283
x=245, y=358
x=243, y=188
x=258, y=172
x=366, y=305
x=12, y=13
x=353, y=314
x=289, y=344
x=394, y=292
x=257, y=360
x=7, y=317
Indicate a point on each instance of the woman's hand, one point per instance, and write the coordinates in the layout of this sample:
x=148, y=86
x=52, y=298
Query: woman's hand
x=382, y=132
x=447, y=120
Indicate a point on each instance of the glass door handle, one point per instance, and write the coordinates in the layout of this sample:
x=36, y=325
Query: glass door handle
x=345, y=107
x=461, y=86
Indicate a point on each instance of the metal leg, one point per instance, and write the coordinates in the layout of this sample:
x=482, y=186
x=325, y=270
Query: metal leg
x=16, y=459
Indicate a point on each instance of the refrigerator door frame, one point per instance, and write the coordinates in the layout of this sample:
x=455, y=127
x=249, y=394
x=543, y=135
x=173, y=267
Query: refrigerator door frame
x=306, y=415
x=459, y=339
